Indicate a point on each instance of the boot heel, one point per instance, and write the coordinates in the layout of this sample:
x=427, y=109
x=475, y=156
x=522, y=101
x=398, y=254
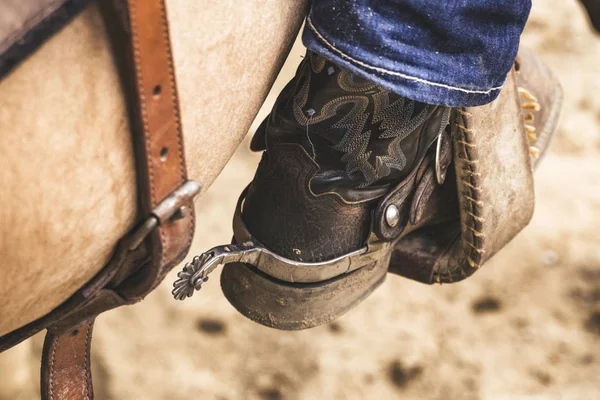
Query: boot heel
x=296, y=306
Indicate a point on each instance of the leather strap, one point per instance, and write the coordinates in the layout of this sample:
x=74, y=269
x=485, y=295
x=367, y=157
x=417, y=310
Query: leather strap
x=165, y=197
x=157, y=110
x=66, y=368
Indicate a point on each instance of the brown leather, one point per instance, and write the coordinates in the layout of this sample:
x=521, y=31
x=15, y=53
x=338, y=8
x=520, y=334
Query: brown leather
x=152, y=94
x=161, y=171
x=142, y=258
x=494, y=186
x=66, y=368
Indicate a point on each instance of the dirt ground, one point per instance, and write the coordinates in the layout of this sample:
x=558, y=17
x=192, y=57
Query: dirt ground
x=527, y=326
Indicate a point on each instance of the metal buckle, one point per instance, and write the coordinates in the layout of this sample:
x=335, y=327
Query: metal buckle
x=251, y=251
x=171, y=208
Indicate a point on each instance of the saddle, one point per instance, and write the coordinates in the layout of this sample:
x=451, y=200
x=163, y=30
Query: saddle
x=140, y=37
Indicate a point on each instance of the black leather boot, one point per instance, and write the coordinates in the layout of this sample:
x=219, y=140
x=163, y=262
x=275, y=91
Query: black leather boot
x=335, y=145
x=352, y=185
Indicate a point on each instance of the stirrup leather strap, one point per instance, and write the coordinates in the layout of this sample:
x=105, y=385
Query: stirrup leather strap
x=164, y=192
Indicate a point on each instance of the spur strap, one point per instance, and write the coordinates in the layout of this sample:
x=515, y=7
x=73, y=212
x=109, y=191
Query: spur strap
x=163, y=239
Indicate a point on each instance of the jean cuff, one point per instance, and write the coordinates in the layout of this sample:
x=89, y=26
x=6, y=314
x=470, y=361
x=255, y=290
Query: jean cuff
x=415, y=88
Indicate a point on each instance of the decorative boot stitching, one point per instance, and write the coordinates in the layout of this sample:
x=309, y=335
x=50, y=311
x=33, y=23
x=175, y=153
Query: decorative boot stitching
x=374, y=113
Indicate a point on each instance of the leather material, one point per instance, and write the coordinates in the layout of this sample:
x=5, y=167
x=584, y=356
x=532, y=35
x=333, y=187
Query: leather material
x=363, y=137
x=495, y=196
x=148, y=77
x=494, y=179
x=410, y=196
x=335, y=144
x=446, y=231
x=66, y=369
x=282, y=212
x=441, y=228
x=96, y=296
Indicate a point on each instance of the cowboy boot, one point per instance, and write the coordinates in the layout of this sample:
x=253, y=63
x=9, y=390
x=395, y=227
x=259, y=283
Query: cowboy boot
x=334, y=145
x=350, y=172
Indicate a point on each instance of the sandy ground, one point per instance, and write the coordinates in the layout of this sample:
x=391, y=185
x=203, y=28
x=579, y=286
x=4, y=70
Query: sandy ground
x=527, y=326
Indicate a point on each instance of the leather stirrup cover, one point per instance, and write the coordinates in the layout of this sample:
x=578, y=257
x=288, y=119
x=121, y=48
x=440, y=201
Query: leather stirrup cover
x=495, y=147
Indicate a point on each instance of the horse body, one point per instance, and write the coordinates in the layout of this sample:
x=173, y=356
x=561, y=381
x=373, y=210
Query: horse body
x=71, y=191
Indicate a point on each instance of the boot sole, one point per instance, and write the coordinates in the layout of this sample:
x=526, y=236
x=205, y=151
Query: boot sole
x=296, y=306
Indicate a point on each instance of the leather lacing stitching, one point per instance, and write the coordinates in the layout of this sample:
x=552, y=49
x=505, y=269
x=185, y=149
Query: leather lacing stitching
x=474, y=240
x=471, y=194
x=530, y=105
x=473, y=236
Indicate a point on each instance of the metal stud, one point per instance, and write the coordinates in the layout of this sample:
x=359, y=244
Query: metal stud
x=392, y=215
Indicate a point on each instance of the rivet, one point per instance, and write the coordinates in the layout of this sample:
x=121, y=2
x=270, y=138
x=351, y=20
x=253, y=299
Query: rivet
x=392, y=215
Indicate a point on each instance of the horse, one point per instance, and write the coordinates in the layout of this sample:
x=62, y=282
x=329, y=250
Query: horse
x=66, y=138
x=71, y=190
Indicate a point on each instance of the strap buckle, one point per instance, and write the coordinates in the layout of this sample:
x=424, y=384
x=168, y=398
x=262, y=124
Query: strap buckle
x=172, y=208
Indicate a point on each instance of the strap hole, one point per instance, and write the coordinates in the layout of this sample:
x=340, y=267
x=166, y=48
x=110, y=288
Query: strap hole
x=74, y=332
x=163, y=154
x=156, y=91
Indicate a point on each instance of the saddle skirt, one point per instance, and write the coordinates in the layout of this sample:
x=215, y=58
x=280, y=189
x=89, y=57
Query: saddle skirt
x=26, y=24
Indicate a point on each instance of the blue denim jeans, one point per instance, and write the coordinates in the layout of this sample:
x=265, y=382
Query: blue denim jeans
x=444, y=52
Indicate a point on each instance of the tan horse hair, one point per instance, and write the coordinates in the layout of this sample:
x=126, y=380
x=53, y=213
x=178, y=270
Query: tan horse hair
x=68, y=181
